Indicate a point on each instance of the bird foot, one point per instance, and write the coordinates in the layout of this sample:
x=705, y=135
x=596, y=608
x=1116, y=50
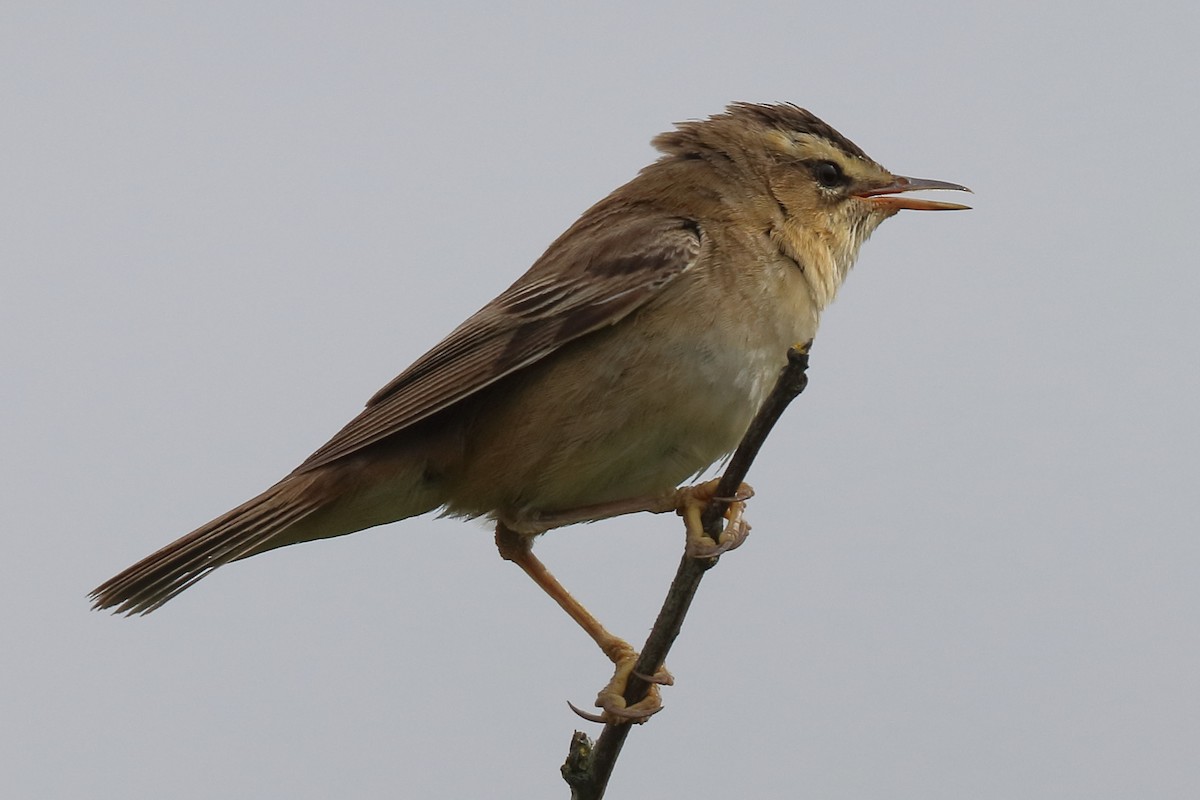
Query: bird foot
x=611, y=699
x=690, y=502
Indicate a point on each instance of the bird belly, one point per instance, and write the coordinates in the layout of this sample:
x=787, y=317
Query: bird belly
x=625, y=413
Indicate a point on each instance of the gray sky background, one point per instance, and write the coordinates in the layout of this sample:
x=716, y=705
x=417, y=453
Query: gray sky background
x=975, y=559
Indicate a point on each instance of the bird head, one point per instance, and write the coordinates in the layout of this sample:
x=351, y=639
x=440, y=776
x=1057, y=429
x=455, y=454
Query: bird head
x=816, y=193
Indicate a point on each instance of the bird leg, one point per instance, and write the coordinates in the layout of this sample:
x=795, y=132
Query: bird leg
x=688, y=502
x=514, y=541
x=517, y=548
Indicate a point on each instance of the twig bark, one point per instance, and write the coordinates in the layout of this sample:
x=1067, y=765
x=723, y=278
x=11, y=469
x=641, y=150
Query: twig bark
x=589, y=766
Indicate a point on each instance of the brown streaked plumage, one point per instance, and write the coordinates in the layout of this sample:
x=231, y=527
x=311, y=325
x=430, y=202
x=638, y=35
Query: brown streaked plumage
x=631, y=356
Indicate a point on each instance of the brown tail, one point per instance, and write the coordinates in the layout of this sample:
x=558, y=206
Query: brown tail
x=245, y=530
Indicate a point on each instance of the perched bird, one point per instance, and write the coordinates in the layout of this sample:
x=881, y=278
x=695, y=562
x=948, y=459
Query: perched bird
x=631, y=356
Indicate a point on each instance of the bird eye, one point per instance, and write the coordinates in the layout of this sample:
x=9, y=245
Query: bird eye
x=828, y=174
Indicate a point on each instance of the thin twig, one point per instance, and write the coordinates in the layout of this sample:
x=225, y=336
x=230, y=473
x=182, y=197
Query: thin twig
x=589, y=766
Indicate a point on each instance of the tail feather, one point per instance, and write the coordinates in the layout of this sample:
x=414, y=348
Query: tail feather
x=243, y=531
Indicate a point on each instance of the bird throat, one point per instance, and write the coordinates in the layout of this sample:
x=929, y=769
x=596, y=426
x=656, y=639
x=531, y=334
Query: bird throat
x=823, y=257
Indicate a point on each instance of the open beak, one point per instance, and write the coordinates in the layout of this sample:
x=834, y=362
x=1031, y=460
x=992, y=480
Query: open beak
x=884, y=197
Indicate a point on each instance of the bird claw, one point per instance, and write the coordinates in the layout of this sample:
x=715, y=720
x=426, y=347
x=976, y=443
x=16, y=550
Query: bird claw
x=611, y=699
x=690, y=503
x=660, y=678
x=614, y=715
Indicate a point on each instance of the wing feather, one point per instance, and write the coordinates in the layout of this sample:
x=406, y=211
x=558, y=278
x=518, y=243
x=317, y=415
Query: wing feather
x=598, y=272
